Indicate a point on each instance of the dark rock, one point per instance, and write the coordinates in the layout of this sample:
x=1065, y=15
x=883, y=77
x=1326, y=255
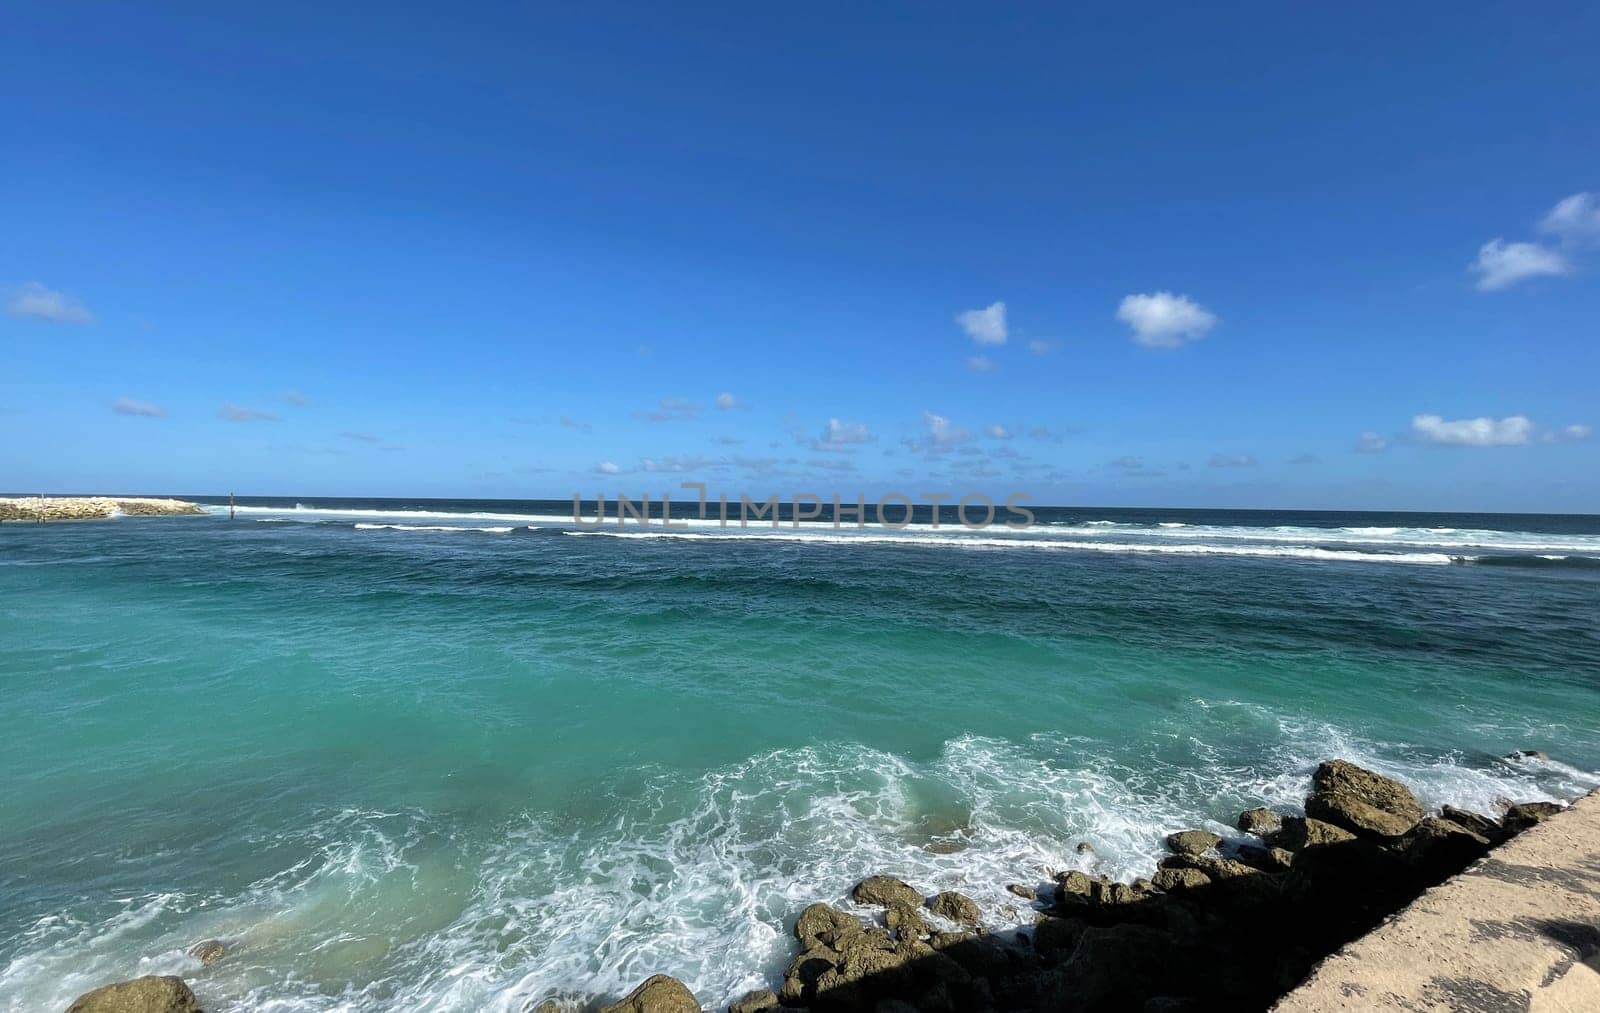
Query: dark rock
x=1439, y=848
x=892, y=1006
x=800, y=979
x=1299, y=833
x=1265, y=859
x=821, y=924
x=1261, y=822
x=1055, y=938
x=1474, y=822
x=955, y=906
x=1526, y=754
x=1084, y=848
x=885, y=891
x=1025, y=892
x=659, y=993
x=1527, y=814
x=1362, y=802
x=150, y=994
x=208, y=951
x=1074, y=888
x=761, y=1000
x=1192, y=842
x=1118, y=967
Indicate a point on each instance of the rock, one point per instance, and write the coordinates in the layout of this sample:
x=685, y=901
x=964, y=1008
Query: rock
x=1084, y=848
x=1362, y=802
x=894, y=1006
x=955, y=906
x=659, y=993
x=759, y=1001
x=906, y=922
x=1261, y=822
x=1265, y=859
x=1517, y=755
x=1055, y=938
x=1173, y=880
x=821, y=924
x=885, y=891
x=800, y=978
x=1439, y=848
x=1521, y=817
x=1472, y=821
x=208, y=951
x=1192, y=842
x=1299, y=833
x=1025, y=892
x=1117, y=968
x=150, y=994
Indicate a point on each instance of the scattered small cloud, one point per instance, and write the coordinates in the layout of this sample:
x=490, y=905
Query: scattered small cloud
x=1501, y=264
x=998, y=432
x=1134, y=467
x=679, y=464
x=839, y=435
x=1372, y=443
x=141, y=409
x=981, y=364
x=1512, y=431
x=1305, y=459
x=986, y=326
x=942, y=431
x=35, y=301
x=1039, y=346
x=674, y=409
x=1231, y=461
x=727, y=441
x=362, y=437
x=568, y=422
x=1044, y=434
x=1165, y=320
x=607, y=468
x=240, y=413
x=297, y=399
x=1569, y=434
x=727, y=402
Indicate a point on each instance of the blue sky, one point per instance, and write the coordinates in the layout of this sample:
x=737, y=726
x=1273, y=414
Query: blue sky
x=1282, y=256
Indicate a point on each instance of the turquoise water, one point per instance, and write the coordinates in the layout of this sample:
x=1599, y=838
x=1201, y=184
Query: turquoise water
x=460, y=756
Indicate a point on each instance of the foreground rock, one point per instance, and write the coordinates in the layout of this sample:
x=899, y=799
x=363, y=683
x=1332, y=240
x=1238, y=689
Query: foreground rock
x=1362, y=802
x=150, y=994
x=85, y=508
x=659, y=994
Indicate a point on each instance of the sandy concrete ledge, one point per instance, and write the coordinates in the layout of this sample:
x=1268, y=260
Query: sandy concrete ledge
x=85, y=508
x=1520, y=930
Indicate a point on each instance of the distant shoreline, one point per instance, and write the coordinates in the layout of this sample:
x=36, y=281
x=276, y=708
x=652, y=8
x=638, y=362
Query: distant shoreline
x=87, y=508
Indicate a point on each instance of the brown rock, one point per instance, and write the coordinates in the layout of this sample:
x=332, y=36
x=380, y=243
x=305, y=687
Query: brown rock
x=759, y=1001
x=1440, y=848
x=1192, y=842
x=1362, y=802
x=885, y=891
x=1265, y=859
x=1025, y=892
x=955, y=906
x=1261, y=822
x=150, y=994
x=1299, y=833
x=208, y=951
x=659, y=993
x=1474, y=822
x=820, y=924
x=1173, y=880
x=1084, y=848
x=906, y=922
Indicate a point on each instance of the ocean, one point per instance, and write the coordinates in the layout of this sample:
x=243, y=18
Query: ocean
x=452, y=755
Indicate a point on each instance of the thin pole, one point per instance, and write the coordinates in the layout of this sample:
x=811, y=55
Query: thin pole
x=230, y=506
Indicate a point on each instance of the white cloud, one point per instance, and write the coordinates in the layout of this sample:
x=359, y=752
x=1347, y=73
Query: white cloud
x=999, y=432
x=1574, y=220
x=1164, y=320
x=981, y=364
x=1512, y=431
x=674, y=409
x=127, y=406
x=362, y=437
x=839, y=435
x=239, y=413
x=1231, y=461
x=1569, y=434
x=34, y=300
x=677, y=464
x=1039, y=346
x=942, y=431
x=1501, y=264
x=986, y=326
x=1371, y=443
x=727, y=402
x=607, y=468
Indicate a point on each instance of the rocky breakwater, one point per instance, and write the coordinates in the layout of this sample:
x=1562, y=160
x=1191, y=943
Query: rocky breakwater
x=88, y=508
x=1222, y=922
